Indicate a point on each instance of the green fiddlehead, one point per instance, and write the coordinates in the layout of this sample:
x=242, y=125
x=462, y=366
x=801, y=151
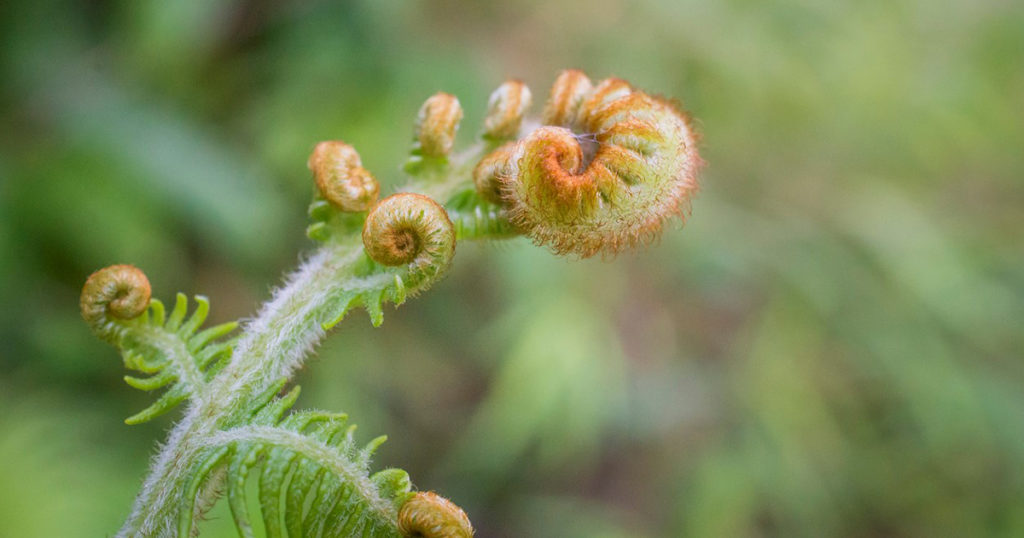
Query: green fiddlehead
x=116, y=303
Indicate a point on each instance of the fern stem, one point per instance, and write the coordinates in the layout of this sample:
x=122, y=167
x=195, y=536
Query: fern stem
x=273, y=346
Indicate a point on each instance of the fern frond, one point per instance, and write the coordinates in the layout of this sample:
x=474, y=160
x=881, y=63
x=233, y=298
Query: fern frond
x=371, y=292
x=372, y=283
x=116, y=304
x=375, y=284
x=313, y=478
x=174, y=352
x=408, y=243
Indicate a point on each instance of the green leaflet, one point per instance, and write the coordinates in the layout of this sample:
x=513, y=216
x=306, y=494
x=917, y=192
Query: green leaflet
x=312, y=478
x=327, y=221
x=476, y=218
x=174, y=353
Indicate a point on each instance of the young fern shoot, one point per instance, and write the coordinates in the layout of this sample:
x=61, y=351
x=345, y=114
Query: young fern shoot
x=606, y=169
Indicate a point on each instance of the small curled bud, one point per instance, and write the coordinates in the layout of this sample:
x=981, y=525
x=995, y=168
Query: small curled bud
x=505, y=110
x=609, y=187
x=118, y=291
x=410, y=229
x=430, y=515
x=567, y=94
x=606, y=91
x=436, y=125
x=490, y=170
x=341, y=178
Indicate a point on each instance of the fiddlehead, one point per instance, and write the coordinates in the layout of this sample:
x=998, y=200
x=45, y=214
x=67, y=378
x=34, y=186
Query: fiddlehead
x=492, y=171
x=505, y=110
x=436, y=125
x=567, y=94
x=411, y=230
x=613, y=168
x=430, y=515
x=340, y=177
x=409, y=243
x=111, y=297
x=343, y=187
x=116, y=303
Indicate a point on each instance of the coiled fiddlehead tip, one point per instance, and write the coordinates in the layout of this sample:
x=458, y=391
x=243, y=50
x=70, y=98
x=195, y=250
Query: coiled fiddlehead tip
x=505, y=110
x=341, y=178
x=605, y=92
x=436, y=124
x=615, y=167
x=492, y=171
x=430, y=515
x=117, y=291
x=408, y=228
x=567, y=94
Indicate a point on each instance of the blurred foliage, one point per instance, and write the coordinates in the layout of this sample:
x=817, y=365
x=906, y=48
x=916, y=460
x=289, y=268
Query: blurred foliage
x=831, y=347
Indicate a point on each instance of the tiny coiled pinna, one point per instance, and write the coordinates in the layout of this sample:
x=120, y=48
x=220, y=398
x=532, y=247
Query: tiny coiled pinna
x=340, y=177
x=505, y=110
x=117, y=292
x=567, y=93
x=490, y=171
x=613, y=165
x=430, y=515
x=436, y=125
x=412, y=230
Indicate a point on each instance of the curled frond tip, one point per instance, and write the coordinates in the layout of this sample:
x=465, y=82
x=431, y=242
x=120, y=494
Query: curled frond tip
x=430, y=515
x=341, y=178
x=505, y=110
x=436, y=125
x=410, y=229
x=118, y=291
x=610, y=168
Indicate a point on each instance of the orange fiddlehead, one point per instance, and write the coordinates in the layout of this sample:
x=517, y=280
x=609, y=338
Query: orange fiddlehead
x=340, y=177
x=408, y=229
x=505, y=110
x=613, y=168
x=430, y=515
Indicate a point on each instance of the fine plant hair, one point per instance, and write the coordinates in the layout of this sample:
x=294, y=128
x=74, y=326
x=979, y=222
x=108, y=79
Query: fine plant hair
x=603, y=170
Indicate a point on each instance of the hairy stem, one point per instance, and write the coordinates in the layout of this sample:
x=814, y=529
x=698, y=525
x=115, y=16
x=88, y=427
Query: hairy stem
x=274, y=346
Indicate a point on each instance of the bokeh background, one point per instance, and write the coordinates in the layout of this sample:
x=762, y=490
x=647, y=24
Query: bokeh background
x=832, y=346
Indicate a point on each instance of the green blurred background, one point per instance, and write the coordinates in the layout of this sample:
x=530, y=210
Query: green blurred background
x=832, y=346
